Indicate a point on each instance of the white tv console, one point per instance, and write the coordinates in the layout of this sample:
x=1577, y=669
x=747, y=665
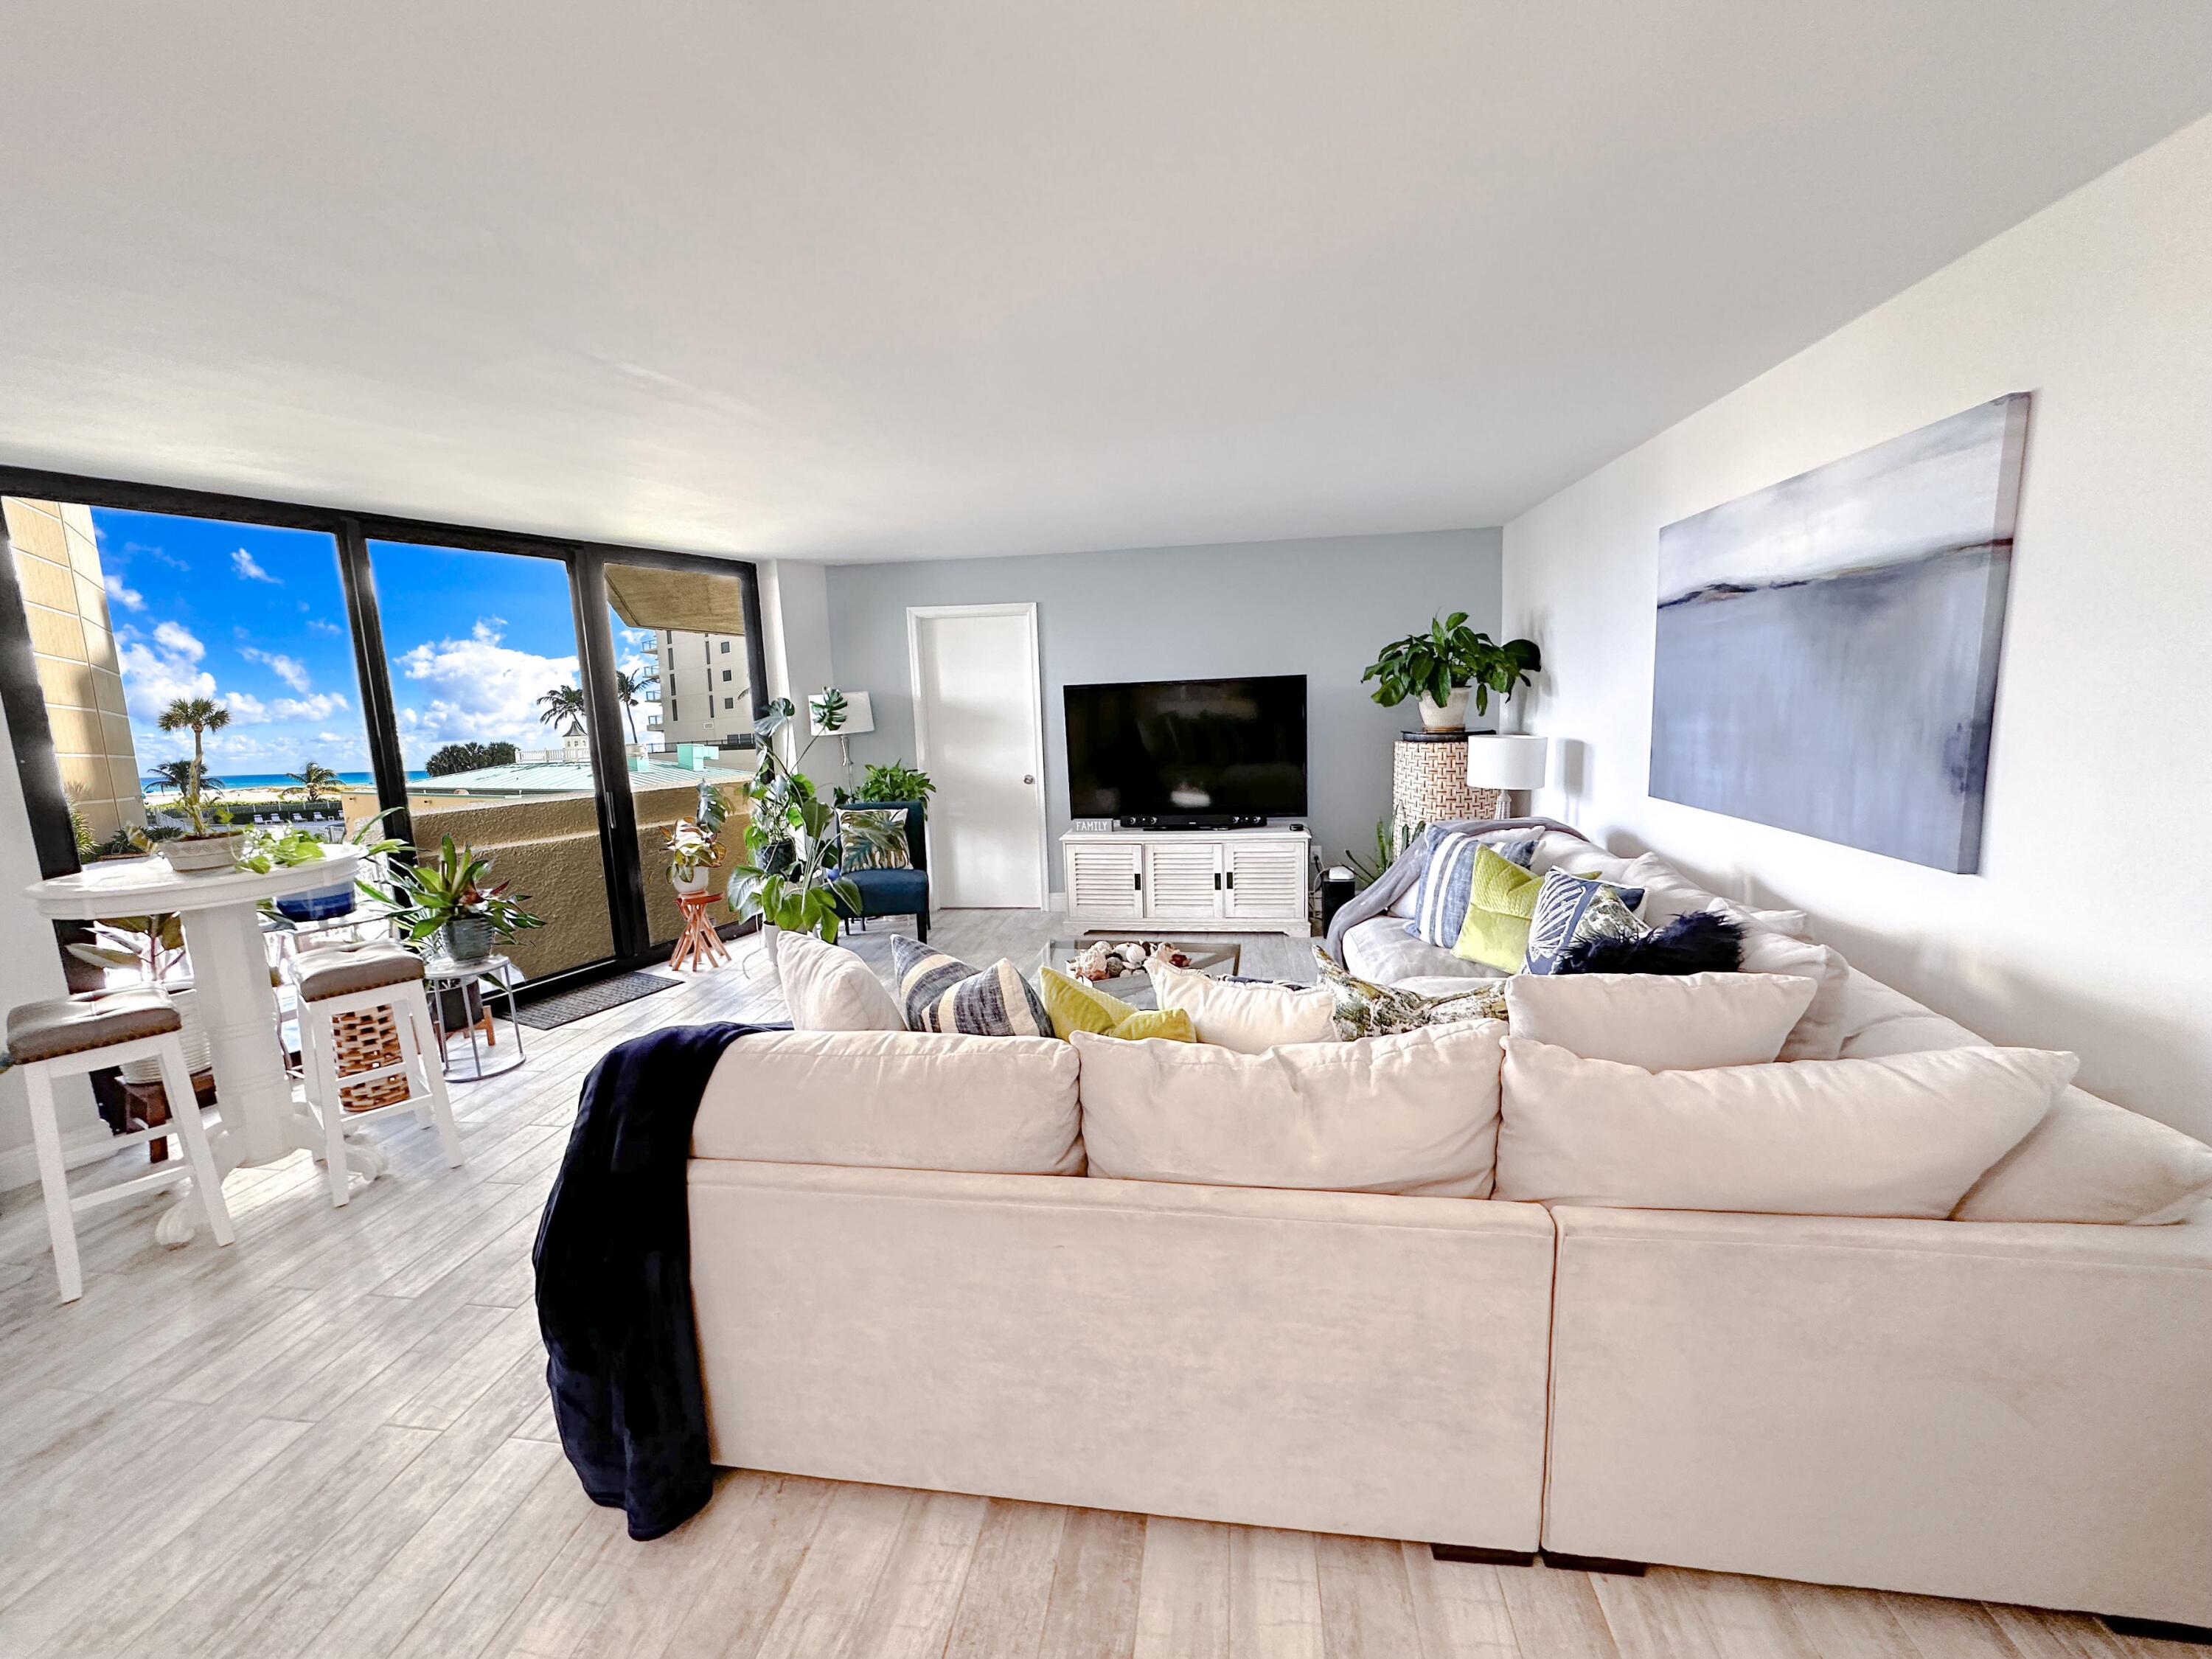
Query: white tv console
x=1223, y=881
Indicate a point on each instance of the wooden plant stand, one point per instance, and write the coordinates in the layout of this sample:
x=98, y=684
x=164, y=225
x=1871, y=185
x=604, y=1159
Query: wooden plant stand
x=700, y=946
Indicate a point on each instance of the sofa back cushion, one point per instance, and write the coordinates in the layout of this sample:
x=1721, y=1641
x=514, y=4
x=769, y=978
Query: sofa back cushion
x=1903, y=1136
x=2092, y=1161
x=1247, y=1017
x=909, y=1100
x=829, y=988
x=1661, y=1022
x=1414, y=1113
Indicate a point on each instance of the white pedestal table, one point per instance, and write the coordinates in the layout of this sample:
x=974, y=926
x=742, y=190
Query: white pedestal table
x=262, y=1122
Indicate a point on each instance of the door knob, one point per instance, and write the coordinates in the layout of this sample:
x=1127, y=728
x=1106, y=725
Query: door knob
x=1028, y=777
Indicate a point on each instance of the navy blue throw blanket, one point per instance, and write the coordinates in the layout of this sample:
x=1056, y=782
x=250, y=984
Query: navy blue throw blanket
x=613, y=1259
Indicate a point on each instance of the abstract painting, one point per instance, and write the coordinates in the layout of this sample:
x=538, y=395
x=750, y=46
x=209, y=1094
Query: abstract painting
x=1828, y=648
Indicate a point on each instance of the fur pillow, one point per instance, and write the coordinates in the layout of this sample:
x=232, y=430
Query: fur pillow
x=1698, y=942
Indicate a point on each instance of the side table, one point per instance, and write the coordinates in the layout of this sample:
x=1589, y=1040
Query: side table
x=700, y=946
x=497, y=974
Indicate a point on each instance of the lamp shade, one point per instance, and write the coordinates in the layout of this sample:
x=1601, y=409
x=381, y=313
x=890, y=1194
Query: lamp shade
x=859, y=716
x=1512, y=762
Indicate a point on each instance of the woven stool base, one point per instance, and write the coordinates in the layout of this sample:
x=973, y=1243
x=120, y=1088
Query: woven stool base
x=364, y=1041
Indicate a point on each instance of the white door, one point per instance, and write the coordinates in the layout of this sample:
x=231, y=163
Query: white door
x=979, y=732
x=1183, y=880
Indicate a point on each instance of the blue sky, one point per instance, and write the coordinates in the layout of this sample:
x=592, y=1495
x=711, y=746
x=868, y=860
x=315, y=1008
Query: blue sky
x=255, y=617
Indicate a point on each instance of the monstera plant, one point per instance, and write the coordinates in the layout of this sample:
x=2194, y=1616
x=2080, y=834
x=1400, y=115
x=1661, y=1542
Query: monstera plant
x=790, y=881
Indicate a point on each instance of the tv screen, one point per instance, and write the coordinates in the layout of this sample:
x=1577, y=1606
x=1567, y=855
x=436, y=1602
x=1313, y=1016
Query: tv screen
x=1187, y=748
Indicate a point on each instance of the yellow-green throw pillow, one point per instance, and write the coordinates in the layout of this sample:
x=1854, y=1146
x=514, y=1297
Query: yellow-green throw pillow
x=1076, y=1006
x=1171, y=1023
x=1500, y=900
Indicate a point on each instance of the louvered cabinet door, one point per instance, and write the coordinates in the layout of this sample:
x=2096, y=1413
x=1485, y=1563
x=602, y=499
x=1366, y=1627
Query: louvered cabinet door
x=1265, y=879
x=1105, y=879
x=1183, y=880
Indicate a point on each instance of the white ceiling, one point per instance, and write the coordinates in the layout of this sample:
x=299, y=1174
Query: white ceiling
x=887, y=281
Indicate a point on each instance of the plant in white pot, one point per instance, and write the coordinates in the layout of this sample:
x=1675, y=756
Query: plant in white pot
x=1445, y=666
x=790, y=881
x=209, y=842
x=695, y=846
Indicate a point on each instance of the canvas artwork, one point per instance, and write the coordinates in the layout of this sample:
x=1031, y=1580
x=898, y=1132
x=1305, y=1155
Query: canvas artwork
x=1828, y=648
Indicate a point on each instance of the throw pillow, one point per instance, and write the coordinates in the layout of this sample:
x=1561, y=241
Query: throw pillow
x=1075, y=1007
x=2091, y=1161
x=1416, y=1113
x=829, y=988
x=1699, y=943
x=1249, y=1016
x=1820, y=1033
x=1661, y=1022
x=1364, y=1009
x=944, y=993
x=1440, y=899
x=873, y=838
x=1904, y=1136
x=1501, y=897
x=908, y=1100
x=1573, y=908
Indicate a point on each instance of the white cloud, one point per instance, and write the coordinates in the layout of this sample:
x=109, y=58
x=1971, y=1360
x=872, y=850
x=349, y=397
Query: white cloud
x=245, y=708
x=129, y=598
x=247, y=569
x=478, y=690
x=319, y=706
x=317, y=625
x=174, y=637
x=154, y=678
x=290, y=670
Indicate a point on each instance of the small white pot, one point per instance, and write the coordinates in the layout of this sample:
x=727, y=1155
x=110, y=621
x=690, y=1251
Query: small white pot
x=193, y=855
x=1447, y=716
x=701, y=881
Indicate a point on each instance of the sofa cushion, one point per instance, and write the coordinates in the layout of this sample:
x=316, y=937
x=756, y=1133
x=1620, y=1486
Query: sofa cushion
x=943, y=993
x=1249, y=1019
x=1904, y=1136
x=1819, y=1034
x=2091, y=1161
x=1501, y=898
x=830, y=989
x=1381, y=949
x=1415, y=1113
x=1662, y=1022
x=1669, y=893
x=1440, y=895
x=1076, y=1005
x=891, y=892
x=913, y=1100
x=1572, y=909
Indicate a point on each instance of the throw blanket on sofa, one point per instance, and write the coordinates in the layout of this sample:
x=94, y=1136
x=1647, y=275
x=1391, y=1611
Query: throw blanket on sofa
x=613, y=1260
x=1406, y=869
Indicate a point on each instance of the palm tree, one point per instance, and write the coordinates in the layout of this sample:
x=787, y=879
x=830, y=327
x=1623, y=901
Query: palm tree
x=631, y=688
x=199, y=716
x=178, y=774
x=311, y=781
x=563, y=702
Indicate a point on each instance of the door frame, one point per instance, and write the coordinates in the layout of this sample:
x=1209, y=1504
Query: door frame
x=1027, y=610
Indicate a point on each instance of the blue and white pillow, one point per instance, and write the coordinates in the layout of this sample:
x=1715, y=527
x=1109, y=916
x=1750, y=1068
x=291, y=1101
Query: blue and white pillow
x=940, y=993
x=1440, y=902
x=1572, y=908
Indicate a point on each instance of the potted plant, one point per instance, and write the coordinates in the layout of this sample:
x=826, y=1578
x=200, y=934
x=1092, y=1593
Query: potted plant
x=270, y=849
x=1443, y=665
x=695, y=844
x=453, y=900
x=789, y=881
x=896, y=781
x=209, y=842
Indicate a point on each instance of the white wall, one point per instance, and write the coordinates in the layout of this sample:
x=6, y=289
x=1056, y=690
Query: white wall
x=1320, y=607
x=795, y=629
x=2086, y=928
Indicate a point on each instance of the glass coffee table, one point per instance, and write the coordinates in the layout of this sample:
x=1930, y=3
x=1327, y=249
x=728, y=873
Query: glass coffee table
x=1219, y=957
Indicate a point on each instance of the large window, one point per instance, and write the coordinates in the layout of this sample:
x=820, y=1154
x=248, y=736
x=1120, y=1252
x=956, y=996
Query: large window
x=553, y=703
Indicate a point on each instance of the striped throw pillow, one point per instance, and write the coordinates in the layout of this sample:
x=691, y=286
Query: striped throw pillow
x=1440, y=907
x=940, y=993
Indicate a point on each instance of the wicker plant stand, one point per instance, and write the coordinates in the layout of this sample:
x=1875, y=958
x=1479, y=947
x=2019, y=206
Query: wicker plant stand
x=700, y=946
x=1428, y=782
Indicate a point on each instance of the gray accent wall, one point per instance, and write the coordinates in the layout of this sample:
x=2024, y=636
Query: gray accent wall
x=1321, y=608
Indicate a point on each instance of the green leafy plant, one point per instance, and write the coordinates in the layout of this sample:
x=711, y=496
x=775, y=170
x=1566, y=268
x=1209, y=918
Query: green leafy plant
x=154, y=946
x=273, y=849
x=1451, y=655
x=896, y=781
x=1389, y=842
x=695, y=843
x=427, y=895
x=789, y=880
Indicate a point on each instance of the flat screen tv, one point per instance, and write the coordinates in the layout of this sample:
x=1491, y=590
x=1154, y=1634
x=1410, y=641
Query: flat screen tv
x=1187, y=752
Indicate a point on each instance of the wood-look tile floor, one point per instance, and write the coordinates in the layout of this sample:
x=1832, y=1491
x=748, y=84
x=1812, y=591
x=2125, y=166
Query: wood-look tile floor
x=334, y=1440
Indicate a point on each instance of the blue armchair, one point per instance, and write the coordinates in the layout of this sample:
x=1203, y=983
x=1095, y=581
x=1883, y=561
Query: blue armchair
x=895, y=892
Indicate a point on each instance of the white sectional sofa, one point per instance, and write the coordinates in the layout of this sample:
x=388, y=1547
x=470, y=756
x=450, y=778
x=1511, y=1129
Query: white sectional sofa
x=2019, y=1411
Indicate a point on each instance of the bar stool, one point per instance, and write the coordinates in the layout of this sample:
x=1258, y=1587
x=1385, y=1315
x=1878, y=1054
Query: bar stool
x=338, y=980
x=70, y=1036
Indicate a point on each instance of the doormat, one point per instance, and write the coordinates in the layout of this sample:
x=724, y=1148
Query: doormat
x=594, y=998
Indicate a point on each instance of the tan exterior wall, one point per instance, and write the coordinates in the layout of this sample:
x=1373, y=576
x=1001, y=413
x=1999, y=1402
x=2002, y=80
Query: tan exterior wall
x=549, y=847
x=65, y=600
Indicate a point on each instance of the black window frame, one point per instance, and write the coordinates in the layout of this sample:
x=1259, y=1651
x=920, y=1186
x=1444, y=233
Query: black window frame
x=38, y=771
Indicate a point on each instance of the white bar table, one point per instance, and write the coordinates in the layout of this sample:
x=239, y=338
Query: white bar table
x=261, y=1121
